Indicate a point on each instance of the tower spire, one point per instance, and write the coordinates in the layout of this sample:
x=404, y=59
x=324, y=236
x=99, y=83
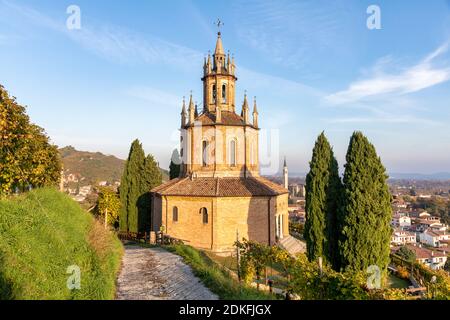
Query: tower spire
x=191, y=110
x=219, y=46
x=183, y=113
x=285, y=175
x=255, y=113
x=245, y=108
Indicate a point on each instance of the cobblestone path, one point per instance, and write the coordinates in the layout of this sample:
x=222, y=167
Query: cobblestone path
x=155, y=274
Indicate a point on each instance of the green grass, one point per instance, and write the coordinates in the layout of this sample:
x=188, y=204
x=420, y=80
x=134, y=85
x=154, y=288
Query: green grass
x=44, y=232
x=215, y=278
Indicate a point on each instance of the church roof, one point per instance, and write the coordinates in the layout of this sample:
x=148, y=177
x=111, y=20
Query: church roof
x=220, y=187
x=228, y=118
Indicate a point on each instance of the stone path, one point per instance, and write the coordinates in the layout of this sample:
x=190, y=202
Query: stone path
x=155, y=274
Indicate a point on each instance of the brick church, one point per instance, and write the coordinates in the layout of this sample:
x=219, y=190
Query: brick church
x=219, y=191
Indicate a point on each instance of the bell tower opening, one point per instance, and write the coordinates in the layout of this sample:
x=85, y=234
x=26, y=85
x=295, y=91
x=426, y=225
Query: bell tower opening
x=219, y=80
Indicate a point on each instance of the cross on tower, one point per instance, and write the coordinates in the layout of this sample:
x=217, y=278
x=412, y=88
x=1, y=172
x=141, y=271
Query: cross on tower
x=219, y=24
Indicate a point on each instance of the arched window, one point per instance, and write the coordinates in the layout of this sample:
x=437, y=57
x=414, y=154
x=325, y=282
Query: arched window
x=233, y=153
x=181, y=146
x=224, y=93
x=175, y=214
x=205, y=153
x=214, y=93
x=204, y=213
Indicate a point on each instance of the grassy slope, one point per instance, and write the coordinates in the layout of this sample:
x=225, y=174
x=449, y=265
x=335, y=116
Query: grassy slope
x=216, y=279
x=44, y=232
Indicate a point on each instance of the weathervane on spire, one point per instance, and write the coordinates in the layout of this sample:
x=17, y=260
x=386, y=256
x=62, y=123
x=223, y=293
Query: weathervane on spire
x=219, y=24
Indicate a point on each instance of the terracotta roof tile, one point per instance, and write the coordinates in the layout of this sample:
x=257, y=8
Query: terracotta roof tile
x=220, y=187
x=228, y=118
x=165, y=185
x=423, y=253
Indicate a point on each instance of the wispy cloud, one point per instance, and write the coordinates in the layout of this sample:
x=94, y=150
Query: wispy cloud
x=287, y=31
x=126, y=46
x=418, y=77
x=155, y=97
x=115, y=43
x=130, y=47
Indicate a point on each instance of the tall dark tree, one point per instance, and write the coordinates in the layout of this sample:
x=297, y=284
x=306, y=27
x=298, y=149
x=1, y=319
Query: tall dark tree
x=323, y=188
x=151, y=177
x=175, y=165
x=366, y=212
x=130, y=188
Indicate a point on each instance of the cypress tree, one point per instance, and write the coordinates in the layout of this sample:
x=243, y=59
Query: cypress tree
x=366, y=212
x=323, y=187
x=130, y=188
x=175, y=164
x=151, y=177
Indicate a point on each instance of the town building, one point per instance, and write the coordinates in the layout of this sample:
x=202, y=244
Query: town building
x=401, y=220
x=220, y=194
x=401, y=237
x=431, y=258
x=297, y=190
x=434, y=238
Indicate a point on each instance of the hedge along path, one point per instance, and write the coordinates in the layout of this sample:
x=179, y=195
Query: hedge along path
x=156, y=274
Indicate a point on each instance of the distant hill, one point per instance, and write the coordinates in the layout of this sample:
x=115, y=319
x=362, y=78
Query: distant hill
x=93, y=167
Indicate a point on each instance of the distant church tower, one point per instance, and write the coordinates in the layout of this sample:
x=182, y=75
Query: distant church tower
x=285, y=175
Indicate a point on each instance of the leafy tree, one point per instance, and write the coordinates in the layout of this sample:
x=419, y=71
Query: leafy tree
x=323, y=187
x=130, y=188
x=366, y=212
x=406, y=253
x=108, y=205
x=175, y=165
x=27, y=158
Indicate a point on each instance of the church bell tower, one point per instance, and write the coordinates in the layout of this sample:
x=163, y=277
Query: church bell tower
x=219, y=81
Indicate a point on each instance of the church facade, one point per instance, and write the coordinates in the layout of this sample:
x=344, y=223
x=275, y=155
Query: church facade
x=219, y=192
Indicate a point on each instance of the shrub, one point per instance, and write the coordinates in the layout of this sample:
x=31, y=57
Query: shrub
x=402, y=272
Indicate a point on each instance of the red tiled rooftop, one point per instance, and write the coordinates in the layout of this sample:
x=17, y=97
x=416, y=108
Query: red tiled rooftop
x=228, y=118
x=220, y=187
x=423, y=253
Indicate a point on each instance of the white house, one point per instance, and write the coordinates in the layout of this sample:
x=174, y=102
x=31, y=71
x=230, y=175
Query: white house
x=401, y=237
x=401, y=220
x=434, y=238
x=432, y=259
x=439, y=227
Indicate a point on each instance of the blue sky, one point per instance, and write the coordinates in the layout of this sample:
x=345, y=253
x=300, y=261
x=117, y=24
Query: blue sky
x=313, y=65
